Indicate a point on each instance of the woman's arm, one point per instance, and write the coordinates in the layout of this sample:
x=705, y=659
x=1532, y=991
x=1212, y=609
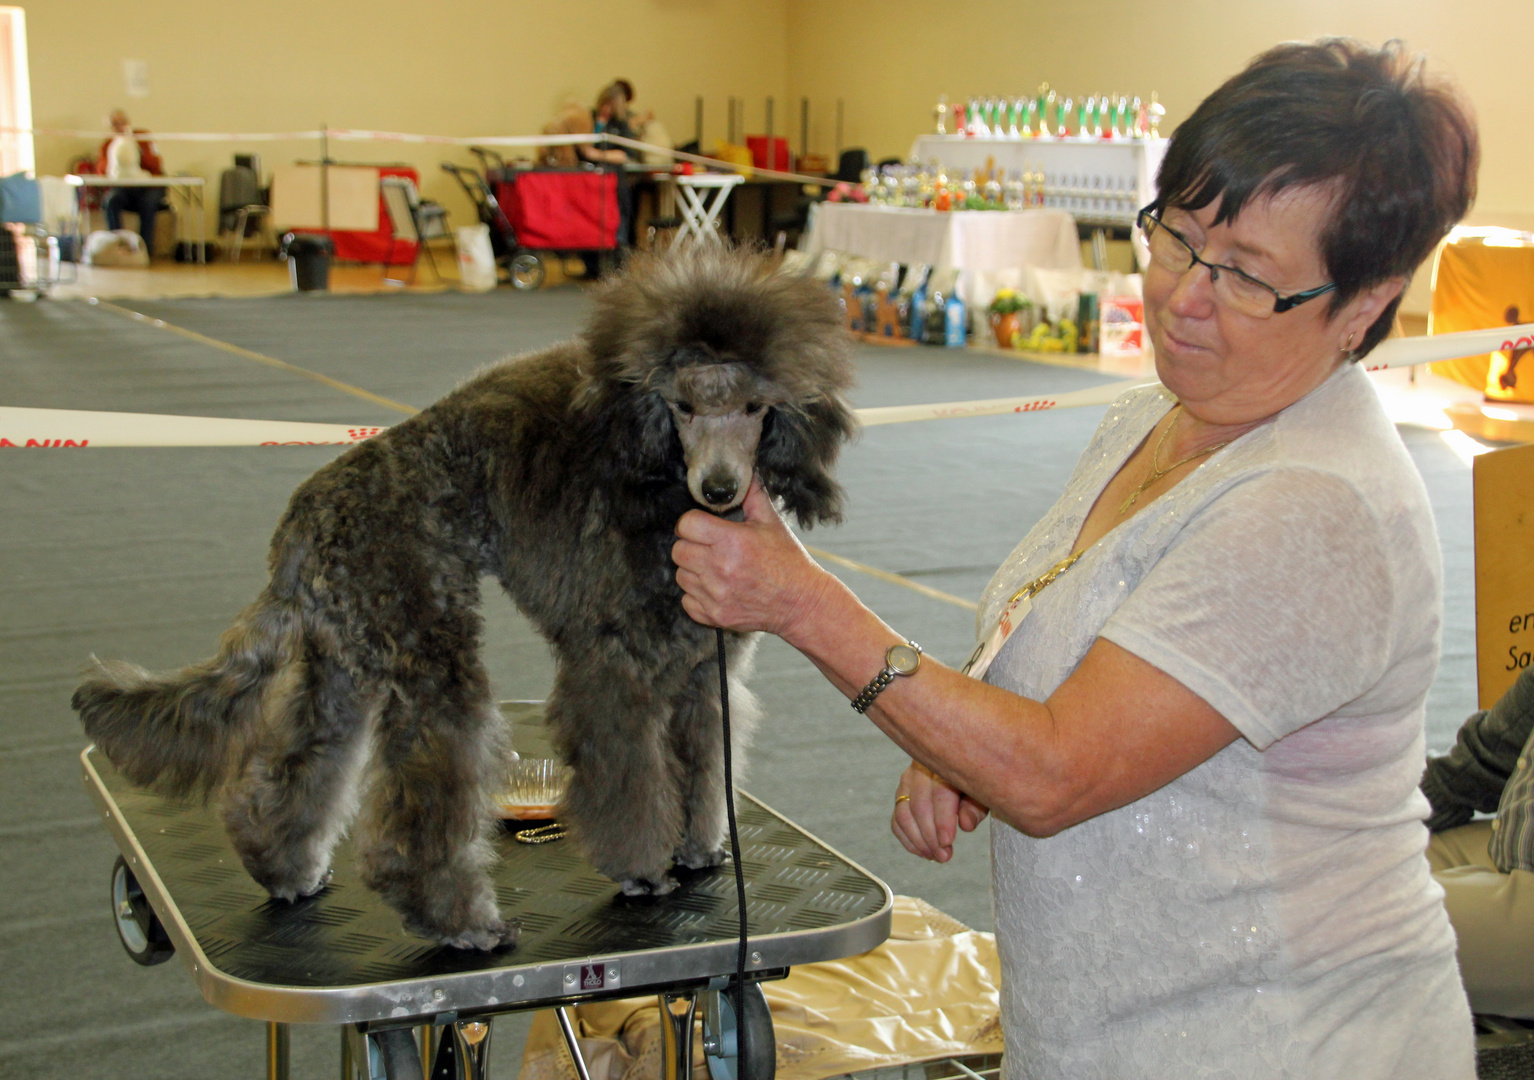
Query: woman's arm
x=1114, y=731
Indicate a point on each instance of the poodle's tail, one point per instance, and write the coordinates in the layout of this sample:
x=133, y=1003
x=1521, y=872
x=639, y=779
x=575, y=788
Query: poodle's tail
x=178, y=732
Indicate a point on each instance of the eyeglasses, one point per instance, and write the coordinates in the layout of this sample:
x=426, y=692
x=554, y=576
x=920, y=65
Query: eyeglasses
x=1236, y=289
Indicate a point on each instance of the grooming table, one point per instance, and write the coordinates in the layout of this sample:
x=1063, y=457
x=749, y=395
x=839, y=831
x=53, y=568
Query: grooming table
x=343, y=957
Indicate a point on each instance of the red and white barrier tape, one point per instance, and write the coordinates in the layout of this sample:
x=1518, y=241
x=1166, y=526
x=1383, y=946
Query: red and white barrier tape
x=63, y=428
x=1394, y=353
x=366, y=135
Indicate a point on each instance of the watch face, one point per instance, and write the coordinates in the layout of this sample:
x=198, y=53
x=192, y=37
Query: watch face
x=902, y=658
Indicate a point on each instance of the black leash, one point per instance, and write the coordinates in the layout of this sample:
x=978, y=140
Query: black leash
x=738, y=989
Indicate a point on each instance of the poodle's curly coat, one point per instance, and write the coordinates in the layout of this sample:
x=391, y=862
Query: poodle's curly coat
x=354, y=679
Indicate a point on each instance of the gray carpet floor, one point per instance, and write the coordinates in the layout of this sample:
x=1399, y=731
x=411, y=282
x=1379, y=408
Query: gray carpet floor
x=147, y=554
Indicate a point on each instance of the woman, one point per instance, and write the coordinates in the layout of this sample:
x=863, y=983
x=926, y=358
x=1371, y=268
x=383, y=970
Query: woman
x=1202, y=744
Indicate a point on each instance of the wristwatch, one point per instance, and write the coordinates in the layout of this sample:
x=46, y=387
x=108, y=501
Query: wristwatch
x=901, y=660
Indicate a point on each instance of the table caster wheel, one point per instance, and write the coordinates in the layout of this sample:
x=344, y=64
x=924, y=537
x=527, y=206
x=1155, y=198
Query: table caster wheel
x=138, y=927
x=721, y=1036
x=526, y=271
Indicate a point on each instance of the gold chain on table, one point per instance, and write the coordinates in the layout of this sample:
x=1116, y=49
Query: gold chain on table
x=541, y=834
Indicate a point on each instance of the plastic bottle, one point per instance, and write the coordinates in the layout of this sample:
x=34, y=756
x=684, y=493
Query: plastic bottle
x=954, y=323
x=918, y=312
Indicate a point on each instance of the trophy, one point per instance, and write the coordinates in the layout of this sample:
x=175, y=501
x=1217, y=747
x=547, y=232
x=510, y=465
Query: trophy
x=1046, y=99
x=1016, y=111
x=1063, y=118
x=977, y=126
x=942, y=114
x=1154, y=113
x=1137, y=110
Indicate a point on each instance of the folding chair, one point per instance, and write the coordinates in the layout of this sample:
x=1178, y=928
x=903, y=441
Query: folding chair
x=413, y=221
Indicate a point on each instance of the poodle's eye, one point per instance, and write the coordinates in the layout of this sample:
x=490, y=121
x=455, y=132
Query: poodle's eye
x=684, y=408
x=753, y=408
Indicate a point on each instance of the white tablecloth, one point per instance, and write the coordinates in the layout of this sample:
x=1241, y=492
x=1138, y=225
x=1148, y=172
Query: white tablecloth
x=966, y=239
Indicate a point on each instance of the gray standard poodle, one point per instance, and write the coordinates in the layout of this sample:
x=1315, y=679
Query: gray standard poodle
x=352, y=687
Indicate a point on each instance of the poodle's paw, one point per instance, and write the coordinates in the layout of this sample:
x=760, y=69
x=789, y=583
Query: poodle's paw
x=319, y=885
x=695, y=858
x=648, y=886
x=286, y=888
x=496, y=935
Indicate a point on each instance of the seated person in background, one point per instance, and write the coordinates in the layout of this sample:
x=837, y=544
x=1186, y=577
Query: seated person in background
x=126, y=157
x=636, y=123
x=1486, y=867
x=609, y=116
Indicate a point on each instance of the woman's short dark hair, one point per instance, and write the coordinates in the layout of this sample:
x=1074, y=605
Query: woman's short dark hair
x=1401, y=151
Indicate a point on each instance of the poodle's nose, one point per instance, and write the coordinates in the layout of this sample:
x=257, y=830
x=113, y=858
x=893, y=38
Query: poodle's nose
x=719, y=490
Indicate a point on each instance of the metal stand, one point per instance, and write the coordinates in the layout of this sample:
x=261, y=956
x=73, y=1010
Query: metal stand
x=677, y=1012
x=406, y=1005
x=278, y=1049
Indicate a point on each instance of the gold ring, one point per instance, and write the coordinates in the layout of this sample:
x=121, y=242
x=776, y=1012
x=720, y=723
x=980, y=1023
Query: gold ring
x=902, y=798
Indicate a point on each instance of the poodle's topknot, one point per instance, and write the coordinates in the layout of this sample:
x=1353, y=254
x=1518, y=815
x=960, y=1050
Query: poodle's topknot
x=732, y=301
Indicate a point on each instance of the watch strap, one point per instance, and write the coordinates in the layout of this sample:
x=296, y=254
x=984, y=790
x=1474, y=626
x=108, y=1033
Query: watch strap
x=876, y=686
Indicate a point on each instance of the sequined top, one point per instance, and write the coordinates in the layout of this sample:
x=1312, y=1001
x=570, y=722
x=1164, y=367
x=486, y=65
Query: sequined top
x=1269, y=913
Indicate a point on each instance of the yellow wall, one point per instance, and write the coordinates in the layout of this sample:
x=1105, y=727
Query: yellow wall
x=889, y=61
x=459, y=67
x=477, y=67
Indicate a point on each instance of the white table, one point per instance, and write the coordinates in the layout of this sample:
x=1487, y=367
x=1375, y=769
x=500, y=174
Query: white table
x=190, y=188
x=700, y=212
x=966, y=239
x=991, y=249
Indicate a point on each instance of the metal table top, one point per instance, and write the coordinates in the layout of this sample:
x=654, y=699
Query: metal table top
x=342, y=956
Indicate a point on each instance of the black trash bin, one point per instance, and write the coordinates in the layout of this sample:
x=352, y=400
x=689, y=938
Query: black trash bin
x=308, y=261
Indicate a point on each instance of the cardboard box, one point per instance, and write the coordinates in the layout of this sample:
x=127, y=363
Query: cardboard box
x=1504, y=569
x=1121, y=329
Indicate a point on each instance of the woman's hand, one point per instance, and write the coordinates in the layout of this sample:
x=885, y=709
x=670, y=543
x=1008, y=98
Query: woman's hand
x=929, y=813
x=747, y=575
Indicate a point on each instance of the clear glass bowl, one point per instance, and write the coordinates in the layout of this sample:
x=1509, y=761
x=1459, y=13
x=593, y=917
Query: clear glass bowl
x=534, y=787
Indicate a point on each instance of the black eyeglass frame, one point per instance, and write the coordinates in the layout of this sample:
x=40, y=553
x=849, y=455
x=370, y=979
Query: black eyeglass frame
x=1281, y=303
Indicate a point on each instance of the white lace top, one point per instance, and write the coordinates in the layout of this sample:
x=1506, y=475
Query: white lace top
x=1270, y=913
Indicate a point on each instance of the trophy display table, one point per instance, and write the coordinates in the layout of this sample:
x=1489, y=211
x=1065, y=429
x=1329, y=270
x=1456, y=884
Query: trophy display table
x=976, y=240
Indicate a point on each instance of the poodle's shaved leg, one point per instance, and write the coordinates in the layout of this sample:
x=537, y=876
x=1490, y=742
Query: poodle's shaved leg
x=297, y=791
x=422, y=838
x=622, y=803
x=697, y=747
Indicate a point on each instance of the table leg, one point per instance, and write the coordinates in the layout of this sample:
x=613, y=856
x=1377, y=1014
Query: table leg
x=677, y=1012
x=693, y=213
x=277, y=1051
x=562, y=1014
x=463, y=1052
x=710, y=216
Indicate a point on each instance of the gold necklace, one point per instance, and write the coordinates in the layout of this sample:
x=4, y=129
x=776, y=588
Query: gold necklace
x=1157, y=472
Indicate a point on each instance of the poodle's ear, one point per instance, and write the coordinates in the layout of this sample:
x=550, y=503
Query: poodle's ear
x=632, y=425
x=655, y=439
x=799, y=445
